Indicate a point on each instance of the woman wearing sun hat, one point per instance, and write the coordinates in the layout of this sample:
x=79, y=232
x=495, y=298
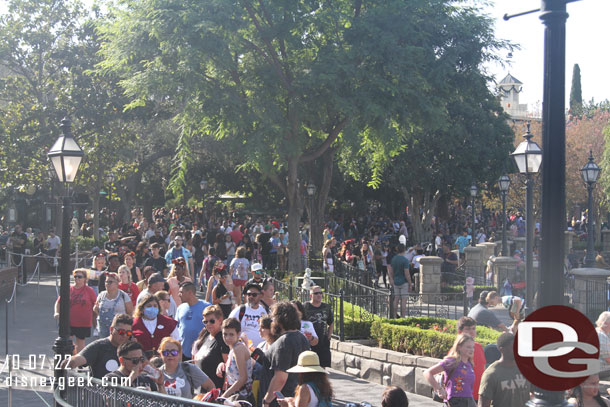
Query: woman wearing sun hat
x=314, y=388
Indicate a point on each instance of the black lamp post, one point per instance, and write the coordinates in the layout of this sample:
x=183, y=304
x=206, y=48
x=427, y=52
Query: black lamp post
x=473, y=194
x=66, y=156
x=503, y=185
x=311, y=191
x=528, y=157
x=590, y=174
x=203, y=184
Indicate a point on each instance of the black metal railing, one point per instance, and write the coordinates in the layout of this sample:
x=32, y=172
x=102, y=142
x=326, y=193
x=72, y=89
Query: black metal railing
x=596, y=298
x=80, y=391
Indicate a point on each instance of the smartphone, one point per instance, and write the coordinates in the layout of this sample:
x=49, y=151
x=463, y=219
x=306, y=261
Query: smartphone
x=278, y=395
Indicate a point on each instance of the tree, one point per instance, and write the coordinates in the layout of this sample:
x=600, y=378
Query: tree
x=576, y=108
x=287, y=81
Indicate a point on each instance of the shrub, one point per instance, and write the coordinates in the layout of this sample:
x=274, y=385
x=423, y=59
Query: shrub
x=427, y=336
x=458, y=289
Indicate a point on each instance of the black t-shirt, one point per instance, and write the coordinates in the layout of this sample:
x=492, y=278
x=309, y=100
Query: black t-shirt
x=18, y=244
x=158, y=264
x=284, y=354
x=263, y=241
x=141, y=381
x=209, y=356
x=101, y=357
x=321, y=317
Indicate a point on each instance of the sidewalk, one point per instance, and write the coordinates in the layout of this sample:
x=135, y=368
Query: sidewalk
x=32, y=332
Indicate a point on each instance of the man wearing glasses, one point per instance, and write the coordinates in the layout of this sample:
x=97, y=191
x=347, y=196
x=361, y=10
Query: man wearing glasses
x=250, y=313
x=101, y=355
x=321, y=315
x=131, y=356
x=179, y=251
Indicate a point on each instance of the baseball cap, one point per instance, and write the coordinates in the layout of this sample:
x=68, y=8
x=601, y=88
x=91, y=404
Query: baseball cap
x=256, y=267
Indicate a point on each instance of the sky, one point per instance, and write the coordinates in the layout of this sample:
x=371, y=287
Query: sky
x=587, y=33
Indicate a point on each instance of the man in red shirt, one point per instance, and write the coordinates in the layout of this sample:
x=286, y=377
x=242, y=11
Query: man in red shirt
x=236, y=234
x=468, y=326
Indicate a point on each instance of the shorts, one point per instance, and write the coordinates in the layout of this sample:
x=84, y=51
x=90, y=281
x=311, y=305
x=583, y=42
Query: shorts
x=239, y=283
x=81, y=332
x=401, y=290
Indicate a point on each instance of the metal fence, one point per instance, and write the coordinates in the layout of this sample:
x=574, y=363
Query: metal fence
x=596, y=298
x=78, y=391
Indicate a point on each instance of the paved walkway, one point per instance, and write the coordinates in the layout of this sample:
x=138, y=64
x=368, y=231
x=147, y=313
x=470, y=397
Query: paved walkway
x=32, y=331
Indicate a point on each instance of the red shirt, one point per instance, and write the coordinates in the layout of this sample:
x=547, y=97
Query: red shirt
x=131, y=289
x=82, y=301
x=479, y=367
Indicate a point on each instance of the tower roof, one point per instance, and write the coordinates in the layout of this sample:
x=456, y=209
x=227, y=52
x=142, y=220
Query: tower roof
x=510, y=80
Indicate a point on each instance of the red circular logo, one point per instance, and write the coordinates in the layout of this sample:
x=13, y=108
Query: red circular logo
x=556, y=348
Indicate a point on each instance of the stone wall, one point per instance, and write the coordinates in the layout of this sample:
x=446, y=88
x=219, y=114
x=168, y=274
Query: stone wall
x=383, y=366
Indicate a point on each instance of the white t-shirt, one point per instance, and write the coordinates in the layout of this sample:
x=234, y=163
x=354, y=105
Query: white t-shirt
x=53, y=242
x=249, y=322
x=416, y=261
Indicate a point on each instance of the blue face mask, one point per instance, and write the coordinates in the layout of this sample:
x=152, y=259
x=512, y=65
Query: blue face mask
x=151, y=312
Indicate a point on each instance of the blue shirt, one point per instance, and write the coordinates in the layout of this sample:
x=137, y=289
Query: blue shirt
x=190, y=323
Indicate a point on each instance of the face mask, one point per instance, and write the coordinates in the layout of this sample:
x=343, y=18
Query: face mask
x=151, y=312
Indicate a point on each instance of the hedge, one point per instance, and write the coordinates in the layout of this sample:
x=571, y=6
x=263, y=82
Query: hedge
x=459, y=289
x=424, y=336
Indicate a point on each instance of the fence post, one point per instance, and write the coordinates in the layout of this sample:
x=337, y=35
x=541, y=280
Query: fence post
x=392, y=310
x=465, y=301
x=290, y=293
x=341, y=322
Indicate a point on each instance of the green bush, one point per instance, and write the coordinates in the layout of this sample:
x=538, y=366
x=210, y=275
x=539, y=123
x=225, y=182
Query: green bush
x=428, y=336
x=85, y=243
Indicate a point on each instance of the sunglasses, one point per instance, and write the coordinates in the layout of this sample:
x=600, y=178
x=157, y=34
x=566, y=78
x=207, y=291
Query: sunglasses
x=124, y=332
x=110, y=281
x=209, y=321
x=173, y=352
x=252, y=294
x=317, y=293
x=78, y=276
x=135, y=361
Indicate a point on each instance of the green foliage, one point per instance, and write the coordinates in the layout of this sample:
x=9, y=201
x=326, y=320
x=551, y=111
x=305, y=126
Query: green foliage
x=86, y=243
x=576, y=108
x=423, y=335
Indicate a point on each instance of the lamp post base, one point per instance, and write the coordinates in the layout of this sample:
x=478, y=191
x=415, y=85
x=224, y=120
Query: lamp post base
x=545, y=398
x=62, y=348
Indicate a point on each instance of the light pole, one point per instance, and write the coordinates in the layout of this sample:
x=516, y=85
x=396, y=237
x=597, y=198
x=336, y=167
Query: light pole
x=528, y=157
x=590, y=174
x=503, y=185
x=203, y=184
x=473, y=194
x=311, y=191
x=66, y=156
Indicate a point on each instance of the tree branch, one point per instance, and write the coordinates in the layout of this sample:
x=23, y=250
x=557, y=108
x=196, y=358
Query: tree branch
x=332, y=136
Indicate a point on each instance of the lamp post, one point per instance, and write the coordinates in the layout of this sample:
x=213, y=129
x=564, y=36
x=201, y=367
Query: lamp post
x=66, y=156
x=503, y=185
x=203, y=184
x=311, y=191
x=473, y=194
x=590, y=174
x=528, y=157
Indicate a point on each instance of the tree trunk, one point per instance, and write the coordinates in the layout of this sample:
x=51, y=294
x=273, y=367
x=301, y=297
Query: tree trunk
x=294, y=215
x=424, y=203
x=128, y=194
x=96, y=210
x=320, y=202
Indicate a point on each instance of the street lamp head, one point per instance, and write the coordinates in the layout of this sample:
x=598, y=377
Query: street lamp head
x=66, y=154
x=528, y=154
x=203, y=184
x=590, y=172
x=110, y=177
x=473, y=191
x=311, y=189
x=504, y=183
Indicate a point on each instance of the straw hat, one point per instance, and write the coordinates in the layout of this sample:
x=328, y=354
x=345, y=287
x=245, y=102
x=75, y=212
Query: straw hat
x=308, y=363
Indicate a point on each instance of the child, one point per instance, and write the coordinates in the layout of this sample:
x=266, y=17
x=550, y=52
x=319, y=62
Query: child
x=238, y=367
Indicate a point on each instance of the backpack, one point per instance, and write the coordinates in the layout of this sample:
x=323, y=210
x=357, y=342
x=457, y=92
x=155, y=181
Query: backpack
x=242, y=310
x=321, y=402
